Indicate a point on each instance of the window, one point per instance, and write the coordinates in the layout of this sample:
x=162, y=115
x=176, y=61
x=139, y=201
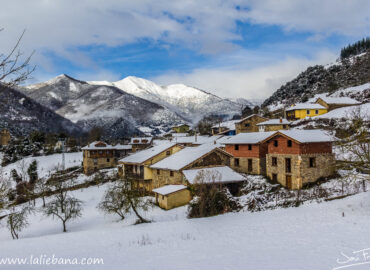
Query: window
x=317, y=111
x=100, y=152
x=236, y=147
x=171, y=173
x=168, y=153
x=312, y=162
x=274, y=177
x=250, y=165
x=288, y=165
x=144, y=141
x=247, y=125
x=308, y=111
x=236, y=162
x=158, y=172
x=274, y=161
x=249, y=147
x=276, y=143
x=162, y=197
x=108, y=160
x=95, y=161
x=284, y=126
x=289, y=143
x=136, y=141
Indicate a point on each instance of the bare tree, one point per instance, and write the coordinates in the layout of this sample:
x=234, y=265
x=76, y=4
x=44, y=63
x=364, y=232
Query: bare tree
x=14, y=68
x=63, y=206
x=18, y=220
x=122, y=197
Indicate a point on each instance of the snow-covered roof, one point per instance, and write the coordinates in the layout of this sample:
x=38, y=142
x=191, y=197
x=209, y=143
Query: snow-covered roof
x=250, y=116
x=274, y=122
x=95, y=146
x=307, y=136
x=141, y=140
x=227, y=124
x=222, y=174
x=122, y=147
x=168, y=189
x=304, y=106
x=197, y=139
x=247, y=138
x=184, y=157
x=339, y=100
x=179, y=134
x=144, y=155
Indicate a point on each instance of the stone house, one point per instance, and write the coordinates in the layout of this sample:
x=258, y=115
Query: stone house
x=274, y=125
x=226, y=128
x=297, y=157
x=249, y=123
x=138, y=164
x=196, y=140
x=332, y=103
x=100, y=155
x=184, y=128
x=4, y=137
x=171, y=196
x=169, y=170
x=303, y=110
x=140, y=143
x=248, y=152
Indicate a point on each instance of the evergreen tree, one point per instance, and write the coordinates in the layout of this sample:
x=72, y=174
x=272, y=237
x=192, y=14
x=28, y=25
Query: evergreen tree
x=32, y=172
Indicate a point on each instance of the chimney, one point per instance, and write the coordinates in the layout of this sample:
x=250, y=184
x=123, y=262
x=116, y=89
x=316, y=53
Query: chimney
x=281, y=120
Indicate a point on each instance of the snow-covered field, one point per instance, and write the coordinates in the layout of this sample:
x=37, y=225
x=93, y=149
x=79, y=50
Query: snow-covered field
x=308, y=237
x=46, y=164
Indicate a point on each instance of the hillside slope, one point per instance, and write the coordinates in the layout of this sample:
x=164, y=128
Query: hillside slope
x=22, y=115
x=118, y=113
x=319, y=79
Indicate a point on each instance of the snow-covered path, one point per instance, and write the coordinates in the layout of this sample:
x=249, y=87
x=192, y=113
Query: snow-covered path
x=309, y=237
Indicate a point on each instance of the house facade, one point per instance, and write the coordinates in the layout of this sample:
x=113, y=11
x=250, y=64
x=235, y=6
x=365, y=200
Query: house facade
x=303, y=110
x=100, y=155
x=181, y=128
x=298, y=157
x=248, y=151
x=138, y=164
x=273, y=125
x=171, y=196
x=249, y=124
x=4, y=137
x=140, y=143
x=169, y=170
x=226, y=128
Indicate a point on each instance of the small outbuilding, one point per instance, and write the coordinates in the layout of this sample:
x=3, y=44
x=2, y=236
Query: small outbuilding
x=171, y=196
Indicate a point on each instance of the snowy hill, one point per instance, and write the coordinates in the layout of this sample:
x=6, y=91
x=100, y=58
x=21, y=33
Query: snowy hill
x=117, y=112
x=312, y=236
x=22, y=115
x=189, y=102
x=328, y=79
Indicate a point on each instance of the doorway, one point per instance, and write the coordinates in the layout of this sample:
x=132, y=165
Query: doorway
x=288, y=182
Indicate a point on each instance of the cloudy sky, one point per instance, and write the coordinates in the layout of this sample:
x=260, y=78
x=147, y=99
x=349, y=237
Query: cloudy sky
x=231, y=48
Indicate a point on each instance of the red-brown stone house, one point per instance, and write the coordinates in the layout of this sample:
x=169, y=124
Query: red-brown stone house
x=298, y=157
x=248, y=151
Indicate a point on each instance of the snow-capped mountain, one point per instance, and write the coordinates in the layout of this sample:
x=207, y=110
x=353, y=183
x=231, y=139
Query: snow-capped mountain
x=22, y=115
x=189, y=102
x=118, y=113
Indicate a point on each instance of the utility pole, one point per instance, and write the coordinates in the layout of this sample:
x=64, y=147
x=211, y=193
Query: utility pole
x=63, y=156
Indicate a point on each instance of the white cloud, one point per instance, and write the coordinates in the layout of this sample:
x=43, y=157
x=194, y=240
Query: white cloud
x=247, y=82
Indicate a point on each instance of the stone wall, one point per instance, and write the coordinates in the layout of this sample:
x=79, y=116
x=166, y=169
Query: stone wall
x=301, y=172
x=258, y=165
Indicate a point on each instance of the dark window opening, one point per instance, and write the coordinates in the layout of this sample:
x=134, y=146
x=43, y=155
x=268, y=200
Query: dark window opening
x=276, y=143
x=236, y=162
x=236, y=147
x=288, y=165
x=289, y=143
x=250, y=165
x=158, y=172
x=274, y=161
x=171, y=173
x=274, y=177
x=107, y=159
x=249, y=147
x=168, y=153
x=312, y=162
x=247, y=125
